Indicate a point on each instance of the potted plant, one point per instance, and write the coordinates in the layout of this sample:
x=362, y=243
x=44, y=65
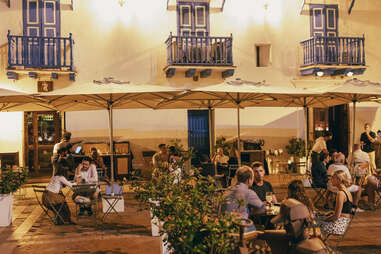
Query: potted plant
x=10, y=182
x=296, y=148
x=190, y=213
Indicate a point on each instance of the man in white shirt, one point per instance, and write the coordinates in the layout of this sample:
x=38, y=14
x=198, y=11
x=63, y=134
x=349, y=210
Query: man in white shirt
x=359, y=162
x=320, y=146
x=86, y=172
x=339, y=165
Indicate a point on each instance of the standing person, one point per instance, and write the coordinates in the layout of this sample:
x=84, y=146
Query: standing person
x=320, y=146
x=65, y=142
x=53, y=197
x=367, y=139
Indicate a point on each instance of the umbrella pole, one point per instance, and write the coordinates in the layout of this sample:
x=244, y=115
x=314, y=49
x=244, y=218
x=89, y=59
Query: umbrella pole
x=306, y=134
x=111, y=127
x=211, y=131
x=238, y=136
x=354, y=125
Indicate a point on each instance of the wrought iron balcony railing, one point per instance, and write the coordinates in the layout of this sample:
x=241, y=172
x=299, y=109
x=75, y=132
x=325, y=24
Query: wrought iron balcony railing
x=199, y=50
x=333, y=51
x=40, y=52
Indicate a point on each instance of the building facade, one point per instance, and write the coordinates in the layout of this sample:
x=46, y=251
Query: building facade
x=53, y=44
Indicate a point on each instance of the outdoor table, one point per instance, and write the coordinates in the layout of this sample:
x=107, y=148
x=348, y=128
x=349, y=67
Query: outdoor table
x=265, y=219
x=112, y=201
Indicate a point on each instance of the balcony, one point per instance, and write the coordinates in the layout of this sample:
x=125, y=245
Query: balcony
x=199, y=53
x=35, y=55
x=333, y=56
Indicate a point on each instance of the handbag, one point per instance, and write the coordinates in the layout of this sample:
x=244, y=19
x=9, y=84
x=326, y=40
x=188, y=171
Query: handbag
x=312, y=243
x=311, y=246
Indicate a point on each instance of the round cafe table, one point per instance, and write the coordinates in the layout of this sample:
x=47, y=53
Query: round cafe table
x=265, y=219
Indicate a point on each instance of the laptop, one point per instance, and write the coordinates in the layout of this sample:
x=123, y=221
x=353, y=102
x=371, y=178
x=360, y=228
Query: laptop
x=78, y=150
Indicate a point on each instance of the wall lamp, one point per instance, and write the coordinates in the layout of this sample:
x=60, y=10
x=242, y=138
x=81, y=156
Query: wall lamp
x=320, y=73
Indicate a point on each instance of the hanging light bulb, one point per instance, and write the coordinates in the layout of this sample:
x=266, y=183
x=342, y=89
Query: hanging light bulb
x=121, y=2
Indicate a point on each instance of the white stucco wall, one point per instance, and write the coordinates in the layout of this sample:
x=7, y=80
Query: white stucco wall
x=127, y=43
x=11, y=133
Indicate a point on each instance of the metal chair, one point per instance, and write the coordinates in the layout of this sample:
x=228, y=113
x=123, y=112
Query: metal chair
x=39, y=191
x=320, y=192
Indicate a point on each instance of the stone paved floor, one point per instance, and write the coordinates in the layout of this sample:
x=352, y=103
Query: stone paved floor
x=32, y=232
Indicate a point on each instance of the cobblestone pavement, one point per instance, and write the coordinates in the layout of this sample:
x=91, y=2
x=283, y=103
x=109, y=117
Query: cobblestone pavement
x=32, y=232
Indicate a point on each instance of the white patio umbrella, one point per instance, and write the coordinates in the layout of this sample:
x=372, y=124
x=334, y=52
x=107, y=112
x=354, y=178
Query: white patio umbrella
x=354, y=91
x=91, y=96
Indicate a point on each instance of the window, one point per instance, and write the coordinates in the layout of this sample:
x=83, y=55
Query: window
x=263, y=54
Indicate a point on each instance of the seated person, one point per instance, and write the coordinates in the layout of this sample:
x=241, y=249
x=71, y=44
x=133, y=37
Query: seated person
x=319, y=172
x=339, y=220
x=160, y=160
x=295, y=212
x=241, y=191
x=220, y=161
x=260, y=186
x=96, y=158
x=87, y=173
x=373, y=185
x=360, y=162
x=339, y=165
x=220, y=157
x=53, y=196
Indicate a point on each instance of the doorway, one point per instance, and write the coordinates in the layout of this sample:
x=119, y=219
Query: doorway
x=198, y=131
x=41, y=131
x=336, y=120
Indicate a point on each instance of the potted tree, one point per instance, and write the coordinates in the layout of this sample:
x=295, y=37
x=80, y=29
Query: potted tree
x=190, y=213
x=296, y=148
x=10, y=182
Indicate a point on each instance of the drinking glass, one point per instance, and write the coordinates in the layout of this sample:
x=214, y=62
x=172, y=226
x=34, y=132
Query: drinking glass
x=269, y=197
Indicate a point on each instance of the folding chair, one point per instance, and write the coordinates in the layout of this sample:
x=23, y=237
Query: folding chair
x=39, y=191
x=112, y=198
x=320, y=193
x=333, y=240
x=231, y=173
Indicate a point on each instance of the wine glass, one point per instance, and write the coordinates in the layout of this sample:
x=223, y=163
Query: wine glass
x=269, y=200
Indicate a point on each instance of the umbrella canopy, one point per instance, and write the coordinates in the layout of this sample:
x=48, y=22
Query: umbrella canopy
x=354, y=90
x=90, y=96
x=242, y=93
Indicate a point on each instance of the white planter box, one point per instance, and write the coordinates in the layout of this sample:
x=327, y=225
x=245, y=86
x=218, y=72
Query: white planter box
x=155, y=223
x=6, y=205
x=119, y=206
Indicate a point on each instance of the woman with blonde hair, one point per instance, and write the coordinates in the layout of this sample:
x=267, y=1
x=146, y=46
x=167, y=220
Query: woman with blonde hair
x=339, y=220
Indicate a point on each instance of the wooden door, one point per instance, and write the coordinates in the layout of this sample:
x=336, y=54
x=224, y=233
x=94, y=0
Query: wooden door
x=41, y=19
x=324, y=26
x=42, y=131
x=193, y=19
x=198, y=131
